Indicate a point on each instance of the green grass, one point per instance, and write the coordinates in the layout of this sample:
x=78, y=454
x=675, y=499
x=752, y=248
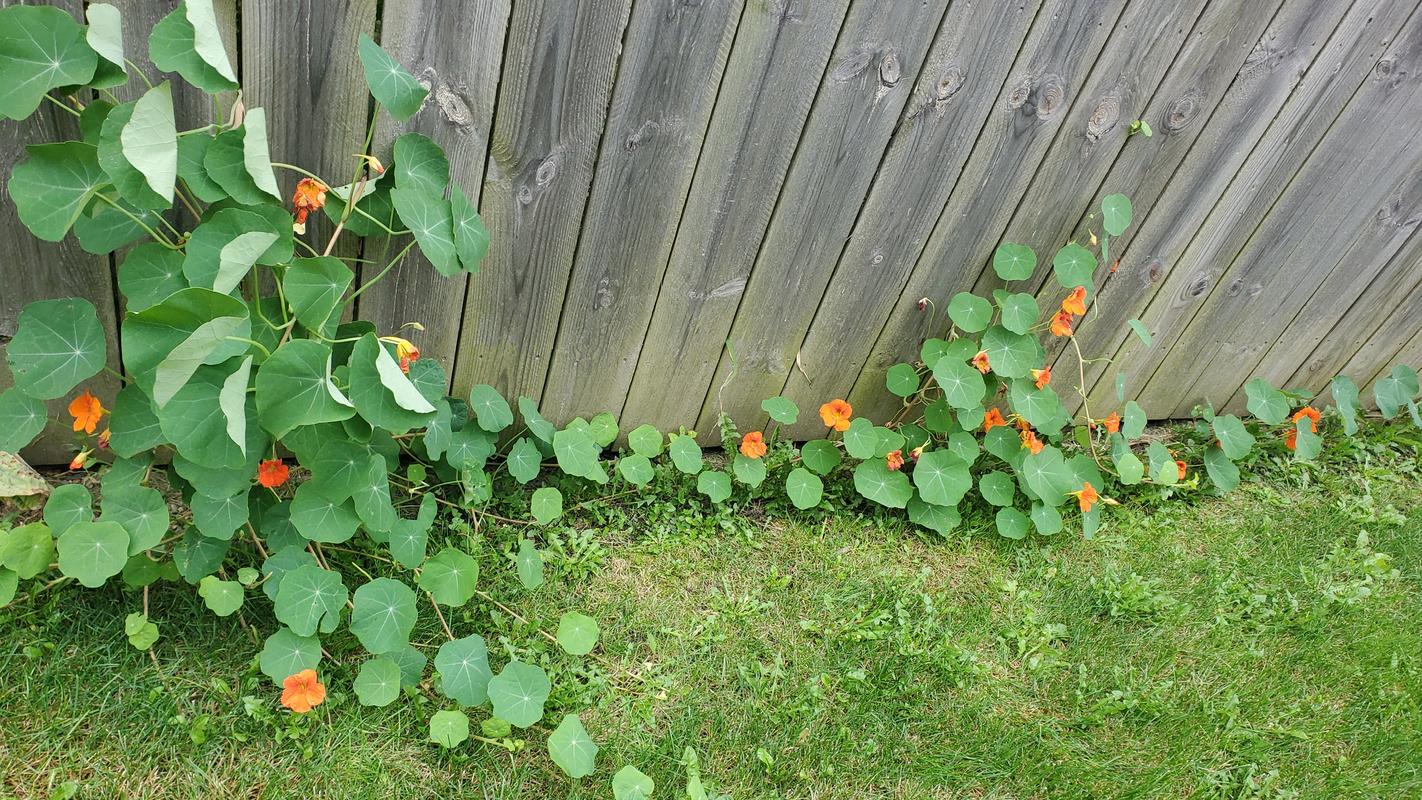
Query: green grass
x=1240, y=647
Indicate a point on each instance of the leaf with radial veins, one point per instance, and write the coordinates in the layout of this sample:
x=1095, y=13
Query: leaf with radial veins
x=1235, y=441
x=27, y=550
x=902, y=380
x=963, y=386
x=408, y=537
x=314, y=287
x=57, y=344
x=1014, y=262
x=309, y=599
x=383, y=616
x=1270, y=405
x=875, y=481
x=450, y=577
x=378, y=684
x=571, y=748
x=294, y=388
x=577, y=633
x=93, y=552
x=1011, y=355
x=22, y=418
x=52, y=187
x=198, y=426
x=519, y=692
x=490, y=409
x=42, y=48
x=431, y=220
x=463, y=667
x=150, y=140
x=1345, y=395
x=390, y=84
x=104, y=35
x=969, y=312
x=1115, y=213
x=942, y=478
x=420, y=164
x=319, y=518
x=286, y=654
x=165, y=344
x=804, y=488
x=1074, y=266
x=524, y=461
x=188, y=42
x=529, y=565
x=141, y=511
x=471, y=238
x=149, y=274
x=383, y=395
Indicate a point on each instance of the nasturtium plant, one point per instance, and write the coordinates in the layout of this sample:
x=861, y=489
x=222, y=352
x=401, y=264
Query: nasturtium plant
x=325, y=467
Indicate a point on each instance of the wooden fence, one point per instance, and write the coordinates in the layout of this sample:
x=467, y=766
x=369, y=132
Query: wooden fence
x=697, y=204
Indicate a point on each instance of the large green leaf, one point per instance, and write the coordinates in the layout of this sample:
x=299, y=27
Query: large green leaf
x=571, y=748
x=420, y=164
x=198, y=426
x=490, y=409
x=164, y=345
x=230, y=240
x=820, y=455
x=519, y=692
x=940, y=519
x=1019, y=311
x=1394, y=391
x=320, y=518
x=41, y=48
x=1115, y=213
x=150, y=140
x=221, y=597
x=51, y=188
x=963, y=386
x=143, y=513
x=463, y=666
x=67, y=506
x=524, y=461
x=1270, y=405
x=631, y=783
x=378, y=683
x=970, y=312
x=383, y=395
x=450, y=577
x=408, y=537
x=1345, y=395
x=636, y=469
x=1074, y=266
x=1014, y=262
x=93, y=552
x=102, y=228
x=220, y=517
x=239, y=162
x=781, y=410
x=383, y=616
x=1048, y=476
x=942, y=478
x=546, y=504
x=284, y=654
x=902, y=380
x=188, y=42
x=431, y=221
x=105, y=35
x=577, y=453
x=294, y=388
x=804, y=488
x=130, y=183
x=149, y=274
x=192, y=149
x=577, y=633
x=471, y=238
x=529, y=564
x=57, y=344
x=1040, y=407
x=309, y=599
x=390, y=84
x=448, y=728
x=1012, y=355
x=1235, y=441
x=314, y=287
x=22, y=418
x=133, y=426
x=715, y=484
x=1221, y=469
x=27, y=550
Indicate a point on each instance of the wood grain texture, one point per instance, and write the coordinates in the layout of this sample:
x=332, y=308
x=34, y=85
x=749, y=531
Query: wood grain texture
x=553, y=101
x=1301, y=75
x=780, y=55
x=32, y=270
x=1033, y=104
x=881, y=52
x=299, y=64
x=672, y=64
x=1132, y=63
x=455, y=48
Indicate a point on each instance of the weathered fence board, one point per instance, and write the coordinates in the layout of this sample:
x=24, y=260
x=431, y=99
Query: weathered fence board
x=697, y=205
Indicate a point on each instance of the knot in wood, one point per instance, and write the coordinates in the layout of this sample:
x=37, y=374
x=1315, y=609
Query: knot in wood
x=852, y=65
x=1384, y=68
x=951, y=81
x=1103, y=117
x=890, y=70
x=1155, y=269
x=1315, y=365
x=643, y=132
x=603, y=294
x=453, y=106
x=1199, y=285
x=1049, y=96
x=525, y=195
x=1018, y=94
x=547, y=171
x=1179, y=113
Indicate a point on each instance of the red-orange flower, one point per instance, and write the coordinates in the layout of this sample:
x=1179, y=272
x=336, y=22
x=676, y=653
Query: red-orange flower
x=1113, y=423
x=1061, y=324
x=1312, y=414
x=310, y=196
x=1075, y=303
x=303, y=691
x=753, y=444
x=86, y=410
x=81, y=459
x=1180, y=468
x=1043, y=376
x=104, y=436
x=981, y=362
x=1291, y=439
x=405, y=351
x=1086, y=497
x=991, y=419
x=272, y=473
x=835, y=414
x=1031, y=442
x=894, y=460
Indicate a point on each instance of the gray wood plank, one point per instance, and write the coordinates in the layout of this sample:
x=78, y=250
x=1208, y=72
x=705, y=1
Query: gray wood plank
x=1022, y=180
x=1299, y=78
x=779, y=57
x=456, y=48
x=871, y=76
x=37, y=270
x=553, y=100
x=1409, y=354
x=1253, y=195
x=299, y=64
x=672, y=64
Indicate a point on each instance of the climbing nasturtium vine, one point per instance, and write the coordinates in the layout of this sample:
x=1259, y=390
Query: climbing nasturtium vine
x=316, y=454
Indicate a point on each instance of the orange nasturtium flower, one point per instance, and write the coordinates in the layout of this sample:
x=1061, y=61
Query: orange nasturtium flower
x=272, y=473
x=86, y=410
x=310, y=196
x=1291, y=439
x=405, y=352
x=1031, y=442
x=1086, y=497
x=81, y=459
x=894, y=460
x=991, y=419
x=981, y=362
x=753, y=444
x=1042, y=376
x=1061, y=324
x=1312, y=414
x=835, y=414
x=303, y=691
x=1180, y=469
x=1113, y=423
x=1075, y=303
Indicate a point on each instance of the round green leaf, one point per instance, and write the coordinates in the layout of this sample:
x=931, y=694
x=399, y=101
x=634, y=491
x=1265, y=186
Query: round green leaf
x=431, y=219
x=529, y=564
x=942, y=478
x=631, y=784
x=715, y=484
x=67, y=506
x=820, y=455
x=963, y=386
x=874, y=480
x=314, y=288
x=52, y=187
x=1047, y=519
x=571, y=748
x=547, y=504
x=518, y=693
x=463, y=666
x=219, y=517
x=490, y=409
x=804, y=488
x=150, y=140
x=902, y=380
x=22, y=418
x=685, y=454
x=142, y=512
x=187, y=41
x=149, y=274
x=286, y=654
x=1012, y=524
x=750, y=471
x=940, y=519
x=57, y=344
x=1235, y=441
x=310, y=599
x=645, y=440
x=969, y=312
x=390, y=84
x=781, y=410
x=294, y=388
x=1115, y=213
x=1221, y=469
x=142, y=633
x=861, y=439
x=420, y=164
x=382, y=393
x=383, y=615
x=1270, y=405
x=471, y=238
x=577, y=453
x=1012, y=355
x=378, y=684
x=222, y=598
x=93, y=552
x=1014, y=262
x=524, y=461
x=997, y=488
x=450, y=576
x=27, y=550
x=1019, y=312
x=636, y=469
x=449, y=729
x=1074, y=265
x=577, y=633
x=43, y=48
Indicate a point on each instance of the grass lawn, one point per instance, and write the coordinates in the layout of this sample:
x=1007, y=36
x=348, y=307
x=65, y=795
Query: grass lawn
x=1245, y=647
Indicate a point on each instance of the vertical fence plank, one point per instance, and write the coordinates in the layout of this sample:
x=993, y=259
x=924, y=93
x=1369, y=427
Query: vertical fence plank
x=32, y=270
x=553, y=98
x=878, y=58
x=671, y=70
x=1293, y=86
x=456, y=48
x=776, y=65
x=1045, y=83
